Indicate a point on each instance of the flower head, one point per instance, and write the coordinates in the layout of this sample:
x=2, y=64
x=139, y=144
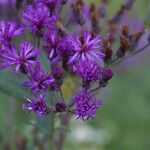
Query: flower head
x=65, y=48
x=88, y=70
x=9, y=30
x=60, y=48
x=37, y=106
x=86, y=106
x=40, y=81
x=38, y=18
x=86, y=47
x=24, y=59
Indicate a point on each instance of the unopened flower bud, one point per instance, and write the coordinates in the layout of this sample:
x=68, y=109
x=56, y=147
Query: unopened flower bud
x=60, y=107
x=57, y=72
x=107, y=74
x=125, y=30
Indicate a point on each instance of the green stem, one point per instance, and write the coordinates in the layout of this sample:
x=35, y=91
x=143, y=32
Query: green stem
x=97, y=88
x=52, y=121
x=65, y=120
x=52, y=132
x=39, y=41
x=61, y=95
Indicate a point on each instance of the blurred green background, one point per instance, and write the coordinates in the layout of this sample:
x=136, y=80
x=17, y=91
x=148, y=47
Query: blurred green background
x=123, y=123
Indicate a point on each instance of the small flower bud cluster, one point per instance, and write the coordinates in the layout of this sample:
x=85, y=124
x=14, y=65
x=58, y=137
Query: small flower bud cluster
x=128, y=42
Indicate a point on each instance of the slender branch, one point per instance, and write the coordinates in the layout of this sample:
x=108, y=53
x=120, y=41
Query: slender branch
x=71, y=104
x=65, y=120
x=59, y=9
x=117, y=60
x=52, y=131
x=61, y=94
x=97, y=88
x=52, y=124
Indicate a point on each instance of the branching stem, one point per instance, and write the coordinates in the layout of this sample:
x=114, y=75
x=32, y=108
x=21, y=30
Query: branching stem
x=118, y=60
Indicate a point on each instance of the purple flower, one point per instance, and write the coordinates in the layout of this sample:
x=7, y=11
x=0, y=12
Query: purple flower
x=37, y=106
x=88, y=70
x=49, y=3
x=38, y=18
x=65, y=48
x=86, y=106
x=54, y=6
x=52, y=40
x=40, y=81
x=24, y=60
x=60, y=48
x=9, y=30
x=86, y=47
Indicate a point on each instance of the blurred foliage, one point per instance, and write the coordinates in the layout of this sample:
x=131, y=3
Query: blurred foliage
x=125, y=113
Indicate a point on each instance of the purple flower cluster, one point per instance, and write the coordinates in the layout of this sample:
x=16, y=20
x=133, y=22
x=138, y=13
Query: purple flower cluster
x=69, y=54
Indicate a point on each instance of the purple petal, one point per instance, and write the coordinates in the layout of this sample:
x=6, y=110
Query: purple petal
x=75, y=56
